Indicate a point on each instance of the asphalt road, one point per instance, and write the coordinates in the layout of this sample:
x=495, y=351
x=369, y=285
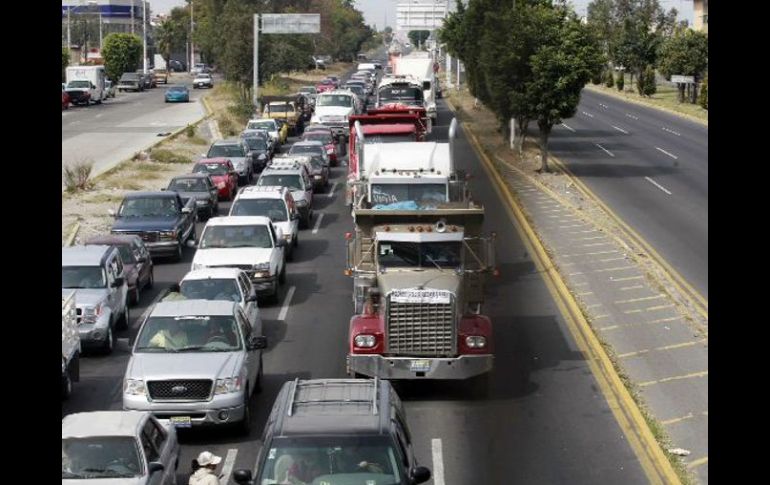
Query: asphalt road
x=544, y=419
x=114, y=131
x=651, y=169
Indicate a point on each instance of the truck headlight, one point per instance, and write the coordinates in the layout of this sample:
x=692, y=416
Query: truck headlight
x=134, y=387
x=168, y=234
x=365, y=341
x=476, y=341
x=91, y=314
x=261, y=156
x=301, y=203
x=228, y=385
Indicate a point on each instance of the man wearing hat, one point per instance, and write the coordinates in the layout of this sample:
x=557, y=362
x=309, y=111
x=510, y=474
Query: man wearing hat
x=205, y=474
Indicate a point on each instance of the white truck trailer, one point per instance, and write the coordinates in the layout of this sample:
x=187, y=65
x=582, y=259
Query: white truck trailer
x=419, y=66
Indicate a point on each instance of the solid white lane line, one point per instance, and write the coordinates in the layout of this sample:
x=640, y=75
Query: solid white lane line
x=99, y=115
x=656, y=184
x=227, y=468
x=318, y=223
x=567, y=127
x=438, y=461
x=620, y=130
x=667, y=153
x=331, y=191
x=632, y=116
x=670, y=131
x=605, y=150
x=286, y=303
x=587, y=114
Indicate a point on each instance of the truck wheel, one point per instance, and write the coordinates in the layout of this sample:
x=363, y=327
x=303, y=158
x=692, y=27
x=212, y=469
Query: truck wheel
x=178, y=256
x=66, y=386
x=123, y=322
x=109, y=342
x=244, y=426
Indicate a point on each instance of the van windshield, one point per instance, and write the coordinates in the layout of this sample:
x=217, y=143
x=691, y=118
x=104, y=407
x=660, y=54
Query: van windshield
x=79, y=84
x=82, y=277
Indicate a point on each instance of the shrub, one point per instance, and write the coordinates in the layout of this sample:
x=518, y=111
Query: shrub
x=161, y=155
x=620, y=82
x=78, y=176
x=609, y=79
x=190, y=131
x=703, y=97
x=650, y=86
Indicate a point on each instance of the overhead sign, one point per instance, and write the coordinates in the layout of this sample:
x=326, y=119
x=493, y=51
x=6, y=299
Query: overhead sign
x=291, y=23
x=682, y=79
x=421, y=15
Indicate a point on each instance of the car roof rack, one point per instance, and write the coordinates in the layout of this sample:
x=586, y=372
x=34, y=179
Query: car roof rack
x=294, y=401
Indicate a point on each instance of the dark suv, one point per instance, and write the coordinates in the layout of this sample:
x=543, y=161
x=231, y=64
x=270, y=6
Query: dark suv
x=342, y=431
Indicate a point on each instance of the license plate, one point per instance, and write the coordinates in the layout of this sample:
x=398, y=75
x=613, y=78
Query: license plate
x=420, y=365
x=181, y=421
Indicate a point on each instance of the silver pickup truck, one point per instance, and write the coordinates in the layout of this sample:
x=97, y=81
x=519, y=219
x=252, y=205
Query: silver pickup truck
x=196, y=362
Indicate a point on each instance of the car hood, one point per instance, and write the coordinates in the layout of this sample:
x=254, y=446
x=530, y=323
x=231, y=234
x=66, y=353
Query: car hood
x=182, y=365
x=332, y=111
x=237, y=160
x=86, y=296
x=232, y=256
x=299, y=195
x=104, y=481
x=201, y=80
x=158, y=223
x=195, y=195
x=285, y=226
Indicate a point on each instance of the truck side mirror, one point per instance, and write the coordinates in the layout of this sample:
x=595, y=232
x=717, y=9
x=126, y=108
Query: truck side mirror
x=419, y=474
x=242, y=477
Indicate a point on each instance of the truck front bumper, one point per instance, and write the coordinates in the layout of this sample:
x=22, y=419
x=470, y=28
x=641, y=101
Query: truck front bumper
x=162, y=248
x=461, y=367
x=222, y=409
x=265, y=286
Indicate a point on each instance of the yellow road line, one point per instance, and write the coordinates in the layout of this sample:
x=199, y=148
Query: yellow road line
x=651, y=457
x=698, y=462
x=667, y=347
x=674, y=378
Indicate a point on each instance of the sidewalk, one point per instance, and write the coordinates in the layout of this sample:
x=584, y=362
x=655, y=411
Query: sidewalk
x=660, y=353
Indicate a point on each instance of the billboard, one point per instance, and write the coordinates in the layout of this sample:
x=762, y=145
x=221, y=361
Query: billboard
x=421, y=15
x=291, y=23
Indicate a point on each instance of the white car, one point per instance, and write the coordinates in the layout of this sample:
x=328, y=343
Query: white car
x=203, y=80
x=251, y=243
x=269, y=125
x=289, y=172
x=274, y=202
x=333, y=108
x=118, y=447
x=231, y=284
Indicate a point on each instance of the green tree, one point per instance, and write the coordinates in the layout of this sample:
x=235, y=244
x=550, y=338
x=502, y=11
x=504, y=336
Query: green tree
x=172, y=34
x=65, y=61
x=609, y=79
x=648, y=85
x=621, y=81
x=686, y=54
x=121, y=53
x=418, y=37
x=703, y=99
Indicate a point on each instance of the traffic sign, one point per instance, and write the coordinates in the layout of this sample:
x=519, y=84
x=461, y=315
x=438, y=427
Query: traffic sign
x=682, y=79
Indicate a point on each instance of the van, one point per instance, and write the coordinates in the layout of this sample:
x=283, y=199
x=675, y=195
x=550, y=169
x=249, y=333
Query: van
x=86, y=84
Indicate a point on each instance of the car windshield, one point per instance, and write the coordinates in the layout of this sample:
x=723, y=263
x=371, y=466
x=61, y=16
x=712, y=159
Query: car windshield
x=188, y=185
x=236, y=236
x=298, y=149
x=204, y=76
x=413, y=94
x=324, y=138
x=275, y=209
x=279, y=108
x=422, y=194
x=82, y=277
x=100, y=457
x=212, y=168
x=357, y=89
x=374, y=139
x=293, y=182
x=261, y=125
x=335, y=100
x=256, y=143
x=192, y=333
x=79, y=84
x=149, y=207
x=225, y=151
x=317, y=163
x=401, y=254
x=177, y=90
x=211, y=289
x=335, y=461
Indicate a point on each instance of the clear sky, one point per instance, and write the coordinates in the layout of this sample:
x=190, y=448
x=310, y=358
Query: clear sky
x=375, y=11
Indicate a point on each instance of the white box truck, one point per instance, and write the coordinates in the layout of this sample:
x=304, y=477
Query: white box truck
x=419, y=66
x=85, y=84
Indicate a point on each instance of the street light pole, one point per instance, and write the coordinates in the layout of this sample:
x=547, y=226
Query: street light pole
x=144, y=36
x=132, y=16
x=69, y=34
x=192, y=45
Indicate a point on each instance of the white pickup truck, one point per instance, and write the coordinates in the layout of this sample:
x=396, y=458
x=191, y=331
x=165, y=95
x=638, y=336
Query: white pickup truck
x=70, y=345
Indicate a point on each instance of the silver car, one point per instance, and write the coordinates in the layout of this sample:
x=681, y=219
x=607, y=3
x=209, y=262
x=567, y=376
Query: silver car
x=196, y=362
x=237, y=151
x=117, y=447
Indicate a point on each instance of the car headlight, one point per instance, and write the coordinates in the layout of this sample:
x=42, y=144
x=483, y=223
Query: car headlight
x=221, y=185
x=301, y=203
x=168, y=234
x=365, y=341
x=476, y=341
x=134, y=387
x=91, y=314
x=261, y=156
x=228, y=385
x=201, y=202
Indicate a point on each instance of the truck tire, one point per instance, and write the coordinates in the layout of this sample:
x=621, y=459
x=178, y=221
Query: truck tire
x=109, y=342
x=244, y=426
x=178, y=255
x=122, y=324
x=66, y=385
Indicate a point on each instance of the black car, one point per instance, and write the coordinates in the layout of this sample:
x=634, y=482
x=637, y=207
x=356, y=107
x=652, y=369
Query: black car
x=177, y=66
x=345, y=431
x=163, y=221
x=200, y=188
x=259, y=149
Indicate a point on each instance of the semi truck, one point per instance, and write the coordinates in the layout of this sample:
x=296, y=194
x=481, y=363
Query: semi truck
x=420, y=67
x=70, y=345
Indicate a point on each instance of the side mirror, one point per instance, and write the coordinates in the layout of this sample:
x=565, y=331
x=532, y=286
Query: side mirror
x=295, y=216
x=419, y=474
x=257, y=342
x=118, y=282
x=191, y=243
x=186, y=210
x=112, y=212
x=155, y=466
x=242, y=477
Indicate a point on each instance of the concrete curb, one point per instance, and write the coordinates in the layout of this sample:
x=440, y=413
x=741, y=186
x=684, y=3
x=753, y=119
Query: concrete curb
x=641, y=102
x=73, y=234
x=625, y=410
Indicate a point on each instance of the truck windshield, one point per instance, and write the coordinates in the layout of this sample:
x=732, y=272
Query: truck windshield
x=335, y=100
x=99, y=457
x=400, y=254
x=211, y=289
x=261, y=125
x=337, y=460
x=421, y=194
x=215, y=333
x=149, y=207
x=279, y=108
x=400, y=94
x=251, y=236
x=82, y=277
x=275, y=209
x=79, y=84
x=293, y=182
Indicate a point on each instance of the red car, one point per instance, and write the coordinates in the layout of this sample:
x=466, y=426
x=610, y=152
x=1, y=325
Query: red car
x=325, y=85
x=222, y=173
x=65, y=99
x=325, y=137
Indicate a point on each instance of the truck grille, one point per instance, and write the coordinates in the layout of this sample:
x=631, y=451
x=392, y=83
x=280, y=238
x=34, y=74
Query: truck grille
x=147, y=236
x=180, y=390
x=421, y=329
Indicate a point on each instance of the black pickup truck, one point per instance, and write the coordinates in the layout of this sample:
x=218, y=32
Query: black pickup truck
x=163, y=221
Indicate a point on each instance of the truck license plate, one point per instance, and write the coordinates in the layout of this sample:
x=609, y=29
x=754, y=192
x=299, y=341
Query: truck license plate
x=420, y=365
x=181, y=421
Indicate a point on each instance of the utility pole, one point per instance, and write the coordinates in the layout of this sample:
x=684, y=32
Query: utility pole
x=255, y=88
x=144, y=36
x=69, y=34
x=192, y=31
x=132, y=16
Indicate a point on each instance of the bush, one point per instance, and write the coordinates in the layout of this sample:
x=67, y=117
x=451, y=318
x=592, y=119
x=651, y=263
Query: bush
x=649, y=87
x=78, y=176
x=703, y=97
x=621, y=81
x=161, y=155
x=226, y=126
x=596, y=79
x=190, y=131
x=609, y=79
